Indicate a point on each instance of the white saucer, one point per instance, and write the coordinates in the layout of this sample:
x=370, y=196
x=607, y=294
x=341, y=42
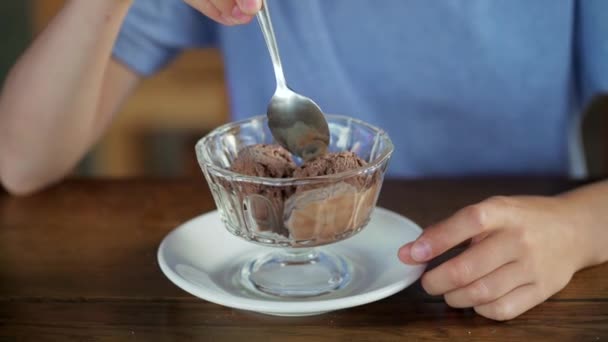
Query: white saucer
x=203, y=258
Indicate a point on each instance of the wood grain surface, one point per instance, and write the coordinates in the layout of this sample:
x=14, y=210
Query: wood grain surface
x=78, y=263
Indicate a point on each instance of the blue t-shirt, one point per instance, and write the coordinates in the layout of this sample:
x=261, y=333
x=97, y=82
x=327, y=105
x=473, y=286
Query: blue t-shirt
x=469, y=87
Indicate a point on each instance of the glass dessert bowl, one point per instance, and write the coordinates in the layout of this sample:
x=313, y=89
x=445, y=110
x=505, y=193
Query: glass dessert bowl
x=268, y=197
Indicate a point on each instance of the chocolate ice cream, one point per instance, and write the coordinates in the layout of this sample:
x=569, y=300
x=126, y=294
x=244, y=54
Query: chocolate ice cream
x=264, y=160
x=321, y=212
x=264, y=203
x=325, y=212
x=331, y=164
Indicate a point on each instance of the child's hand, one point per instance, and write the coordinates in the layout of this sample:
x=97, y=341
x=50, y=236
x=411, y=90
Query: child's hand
x=228, y=12
x=523, y=250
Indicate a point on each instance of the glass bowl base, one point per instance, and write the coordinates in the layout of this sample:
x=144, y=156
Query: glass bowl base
x=296, y=273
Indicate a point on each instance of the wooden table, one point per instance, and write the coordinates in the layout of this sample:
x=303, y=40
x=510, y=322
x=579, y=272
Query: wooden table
x=78, y=263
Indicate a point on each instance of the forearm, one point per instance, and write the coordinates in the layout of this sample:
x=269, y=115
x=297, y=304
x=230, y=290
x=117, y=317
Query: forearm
x=49, y=104
x=589, y=206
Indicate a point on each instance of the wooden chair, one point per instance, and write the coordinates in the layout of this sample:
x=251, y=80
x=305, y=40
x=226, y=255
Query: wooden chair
x=595, y=136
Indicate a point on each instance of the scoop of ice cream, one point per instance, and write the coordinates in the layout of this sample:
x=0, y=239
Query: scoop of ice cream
x=263, y=203
x=329, y=213
x=329, y=164
x=264, y=160
x=322, y=212
x=325, y=212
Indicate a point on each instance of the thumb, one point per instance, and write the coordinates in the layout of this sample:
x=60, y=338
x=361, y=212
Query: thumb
x=415, y=252
x=405, y=254
x=474, y=220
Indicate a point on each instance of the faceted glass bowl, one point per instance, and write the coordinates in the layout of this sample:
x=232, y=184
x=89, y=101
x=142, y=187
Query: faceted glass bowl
x=296, y=214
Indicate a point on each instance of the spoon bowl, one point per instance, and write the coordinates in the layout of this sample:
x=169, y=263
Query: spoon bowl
x=298, y=124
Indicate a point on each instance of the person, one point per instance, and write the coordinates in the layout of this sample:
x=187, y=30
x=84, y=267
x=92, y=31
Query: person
x=463, y=88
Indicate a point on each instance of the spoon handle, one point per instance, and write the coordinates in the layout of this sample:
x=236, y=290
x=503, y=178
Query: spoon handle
x=271, y=42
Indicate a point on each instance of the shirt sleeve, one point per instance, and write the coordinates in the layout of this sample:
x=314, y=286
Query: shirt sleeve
x=156, y=31
x=592, y=47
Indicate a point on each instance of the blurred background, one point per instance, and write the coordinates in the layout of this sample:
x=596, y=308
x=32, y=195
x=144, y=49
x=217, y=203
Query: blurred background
x=156, y=131
x=154, y=135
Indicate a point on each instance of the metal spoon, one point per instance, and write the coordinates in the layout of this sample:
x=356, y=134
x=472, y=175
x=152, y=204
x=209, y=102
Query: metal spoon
x=295, y=121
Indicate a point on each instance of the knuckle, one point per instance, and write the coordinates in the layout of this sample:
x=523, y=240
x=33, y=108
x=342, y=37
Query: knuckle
x=477, y=214
x=451, y=301
x=503, y=311
x=500, y=201
x=479, y=293
x=542, y=290
x=247, y=20
x=525, y=240
x=499, y=311
x=427, y=284
x=224, y=6
x=459, y=272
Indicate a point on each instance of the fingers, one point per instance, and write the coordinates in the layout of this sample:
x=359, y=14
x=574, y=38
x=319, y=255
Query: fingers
x=249, y=7
x=467, y=223
x=474, y=263
x=224, y=6
x=512, y=304
x=489, y=288
x=208, y=8
x=510, y=265
x=227, y=12
x=231, y=12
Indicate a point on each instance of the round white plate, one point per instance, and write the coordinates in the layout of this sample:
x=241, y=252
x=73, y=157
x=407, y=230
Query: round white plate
x=203, y=258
